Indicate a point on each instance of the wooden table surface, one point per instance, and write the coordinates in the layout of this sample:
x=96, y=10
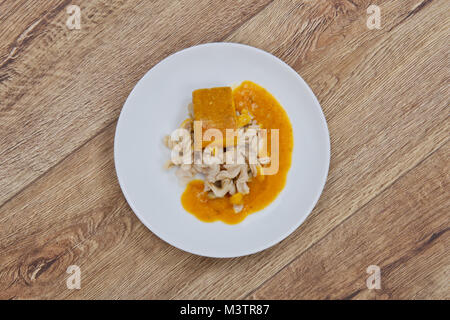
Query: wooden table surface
x=385, y=96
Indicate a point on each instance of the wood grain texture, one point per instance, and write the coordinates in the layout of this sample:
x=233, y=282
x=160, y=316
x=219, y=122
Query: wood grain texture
x=384, y=94
x=414, y=209
x=60, y=88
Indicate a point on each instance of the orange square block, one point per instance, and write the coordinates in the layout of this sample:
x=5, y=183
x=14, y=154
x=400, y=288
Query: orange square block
x=215, y=108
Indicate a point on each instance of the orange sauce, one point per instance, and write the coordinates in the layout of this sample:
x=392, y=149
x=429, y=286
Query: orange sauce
x=270, y=115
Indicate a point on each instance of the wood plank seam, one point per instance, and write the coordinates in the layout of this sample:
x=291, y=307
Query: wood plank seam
x=245, y=21
x=348, y=217
x=58, y=163
x=431, y=239
x=24, y=39
x=49, y=263
x=419, y=7
x=4, y=63
x=386, y=270
x=419, y=246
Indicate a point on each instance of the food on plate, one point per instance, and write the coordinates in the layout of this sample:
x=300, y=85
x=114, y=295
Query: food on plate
x=243, y=168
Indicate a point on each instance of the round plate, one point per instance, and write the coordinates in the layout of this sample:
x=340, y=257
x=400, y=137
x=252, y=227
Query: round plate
x=158, y=104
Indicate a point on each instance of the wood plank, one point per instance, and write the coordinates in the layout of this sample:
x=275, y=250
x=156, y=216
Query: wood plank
x=29, y=15
x=59, y=220
x=59, y=88
x=404, y=231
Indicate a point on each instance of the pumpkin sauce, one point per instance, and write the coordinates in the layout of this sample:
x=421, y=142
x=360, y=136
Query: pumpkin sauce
x=263, y=189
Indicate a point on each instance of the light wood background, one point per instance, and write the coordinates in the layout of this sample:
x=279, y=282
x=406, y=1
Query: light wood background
x=384, y=93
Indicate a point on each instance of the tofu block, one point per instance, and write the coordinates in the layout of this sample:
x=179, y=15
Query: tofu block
x=215, y=108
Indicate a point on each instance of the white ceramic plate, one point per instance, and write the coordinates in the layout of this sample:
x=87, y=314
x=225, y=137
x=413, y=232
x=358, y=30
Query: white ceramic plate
x=158, y=104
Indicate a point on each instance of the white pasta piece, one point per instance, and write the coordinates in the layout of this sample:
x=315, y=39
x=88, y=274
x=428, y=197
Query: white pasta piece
x=232, y=188
x=233, y=169
x=169, y=164
x=199, y=167
x=238, y=208
x=211, y=172
x=211, y=195
x=168, y=142
x=264, y=160
x=224, y=174
x=186, y=167
x=184, y=176
x=241, y=154
x=254, y=170
x=229, y=173
x=242, y=187
x=186, y=144
x=243, y=175
x=229, y=155
x=223, y=190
